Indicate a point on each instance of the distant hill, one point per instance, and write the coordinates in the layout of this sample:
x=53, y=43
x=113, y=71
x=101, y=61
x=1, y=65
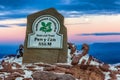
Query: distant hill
x=7, y=49
x=110, y=45
x=107, y=52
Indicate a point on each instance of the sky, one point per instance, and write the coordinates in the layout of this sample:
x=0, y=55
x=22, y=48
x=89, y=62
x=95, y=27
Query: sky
x=87, y=21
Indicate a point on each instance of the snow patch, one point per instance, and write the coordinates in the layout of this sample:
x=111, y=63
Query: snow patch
x=64, y=64
x=1, y=67
x=113, y=68
x=6, y=74
x=14, y=67
x=118, y=76
x=13, y=59
x=69, y=60
x=28, y=74
x=69, y=57
x=39, y=68
x=2, y=75
x=19, y=78
x=94, y=63
x=9, y=59
x=84, y=58
x=23, y=67
x=107, y=76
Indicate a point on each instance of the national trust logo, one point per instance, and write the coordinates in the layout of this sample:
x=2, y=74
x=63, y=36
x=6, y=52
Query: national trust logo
x=46, y=24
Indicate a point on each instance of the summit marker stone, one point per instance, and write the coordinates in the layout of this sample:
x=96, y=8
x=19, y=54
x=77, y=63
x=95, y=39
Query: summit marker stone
x=46, y=38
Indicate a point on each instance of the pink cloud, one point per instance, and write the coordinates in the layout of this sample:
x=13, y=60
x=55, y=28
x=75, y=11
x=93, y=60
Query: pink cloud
x=12, y=34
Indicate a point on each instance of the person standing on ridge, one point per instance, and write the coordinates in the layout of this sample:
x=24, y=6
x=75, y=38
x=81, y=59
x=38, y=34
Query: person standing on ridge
x=20, y=51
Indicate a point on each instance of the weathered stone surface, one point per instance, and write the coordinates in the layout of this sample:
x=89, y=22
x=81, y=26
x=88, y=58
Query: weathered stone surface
x=30, y=67
x=85, y=47
x=65, y=77
x=72, y=47
x=6, y=67
x=59, y=71
x=83, y=62
x=88, y=72
x=75, y=60
x=16, y=65
x=18, y=71
x=27, y=79
x=95, y=76
x=42, y=75
x=89, y=60
x=46, y=55
x=113, y=76
x=104, y=67
x=13, y=76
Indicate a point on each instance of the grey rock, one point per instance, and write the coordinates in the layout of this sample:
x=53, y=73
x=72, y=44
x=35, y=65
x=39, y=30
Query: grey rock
x=44, y=75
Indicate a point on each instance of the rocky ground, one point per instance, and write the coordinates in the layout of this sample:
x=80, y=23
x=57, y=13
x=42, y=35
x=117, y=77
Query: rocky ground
x=80, y=67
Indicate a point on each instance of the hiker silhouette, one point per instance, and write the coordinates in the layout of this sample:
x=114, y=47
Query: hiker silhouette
x=20, y=51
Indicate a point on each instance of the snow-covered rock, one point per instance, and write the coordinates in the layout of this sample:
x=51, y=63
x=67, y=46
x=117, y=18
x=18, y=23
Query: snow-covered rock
x=86, y=68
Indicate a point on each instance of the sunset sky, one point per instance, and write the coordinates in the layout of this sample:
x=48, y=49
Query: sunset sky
x=87, y=21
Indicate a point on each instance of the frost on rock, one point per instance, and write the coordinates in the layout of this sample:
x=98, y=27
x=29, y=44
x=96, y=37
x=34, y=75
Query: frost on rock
x=39, y=68
x=107, y=76
x=94, y=63
x=19, y=78
x=118, y=76
x=27, y=74
x=84, y=58
x=13, y=59
x=113, y=68
x=88, y=67
x=69, y=57
x=1, y=67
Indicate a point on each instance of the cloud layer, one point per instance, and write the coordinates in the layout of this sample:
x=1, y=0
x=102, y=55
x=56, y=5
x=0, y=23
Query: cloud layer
x=98, y=34
x=21, y=8
x=15, y=9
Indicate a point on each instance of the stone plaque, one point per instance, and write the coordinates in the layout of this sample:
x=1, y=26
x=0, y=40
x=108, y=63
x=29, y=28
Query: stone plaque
x=46, y=38
x=45, y=33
